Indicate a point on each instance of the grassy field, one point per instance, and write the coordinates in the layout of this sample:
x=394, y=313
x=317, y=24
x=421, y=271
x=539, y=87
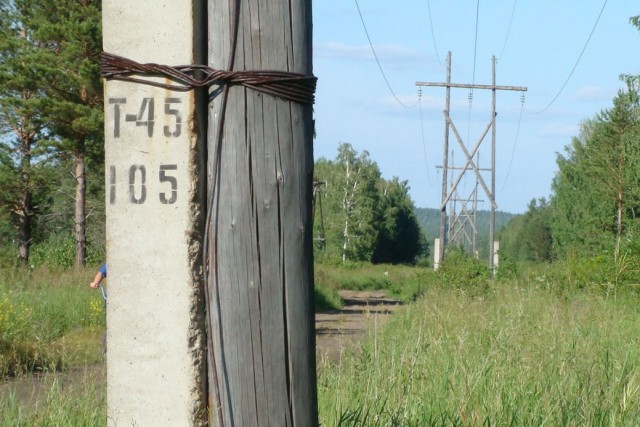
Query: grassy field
x=464, y=351
x=50, y=321
x=520, y=355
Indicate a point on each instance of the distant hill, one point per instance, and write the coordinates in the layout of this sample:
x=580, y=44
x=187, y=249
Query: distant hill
x=429, y=220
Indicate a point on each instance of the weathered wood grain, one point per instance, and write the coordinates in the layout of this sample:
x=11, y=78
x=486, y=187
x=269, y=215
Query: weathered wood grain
x=262, y=367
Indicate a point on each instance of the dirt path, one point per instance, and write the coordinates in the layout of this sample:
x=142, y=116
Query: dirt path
x=335, y=331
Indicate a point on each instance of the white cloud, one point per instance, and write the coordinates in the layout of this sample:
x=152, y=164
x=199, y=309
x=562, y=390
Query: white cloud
x=592, y=94
x=384, y=52
x=560, y=130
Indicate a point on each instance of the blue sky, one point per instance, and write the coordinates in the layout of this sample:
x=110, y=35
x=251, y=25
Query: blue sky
x=537, y=49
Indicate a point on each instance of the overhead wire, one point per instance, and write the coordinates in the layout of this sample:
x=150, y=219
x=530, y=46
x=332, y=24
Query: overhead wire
x=424, y=142
x=504, y=45
x=378, y=61
x=515, y=142
x=475, y=43
x=577, y=62
x=473, y=78
x=433, y=34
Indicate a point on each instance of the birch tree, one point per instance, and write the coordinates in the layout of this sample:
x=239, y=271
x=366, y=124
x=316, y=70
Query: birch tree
x=357, y=184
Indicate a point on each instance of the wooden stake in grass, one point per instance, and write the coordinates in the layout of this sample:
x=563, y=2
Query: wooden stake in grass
x=260, y=265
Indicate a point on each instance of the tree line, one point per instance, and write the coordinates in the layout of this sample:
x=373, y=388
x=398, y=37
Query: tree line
x=360, y=216
x=593, y=211
x=52, y=154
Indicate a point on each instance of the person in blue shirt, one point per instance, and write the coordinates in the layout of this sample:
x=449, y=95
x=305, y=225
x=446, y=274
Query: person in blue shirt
x=101, y=274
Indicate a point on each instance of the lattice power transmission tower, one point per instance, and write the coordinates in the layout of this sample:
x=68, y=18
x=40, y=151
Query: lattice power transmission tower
x=464, y=225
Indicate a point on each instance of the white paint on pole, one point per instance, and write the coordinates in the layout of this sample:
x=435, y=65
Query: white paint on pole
x=155, y=338
x=496, y=256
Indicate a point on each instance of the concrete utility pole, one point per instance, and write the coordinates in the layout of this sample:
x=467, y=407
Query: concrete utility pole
x=449, y=192
x=155, y=323
x=260, y=264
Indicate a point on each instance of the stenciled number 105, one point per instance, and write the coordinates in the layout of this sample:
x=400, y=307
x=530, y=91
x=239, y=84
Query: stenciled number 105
x=138, y=184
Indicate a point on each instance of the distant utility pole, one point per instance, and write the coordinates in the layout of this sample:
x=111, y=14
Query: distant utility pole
x=449, y=192
x=317, y=206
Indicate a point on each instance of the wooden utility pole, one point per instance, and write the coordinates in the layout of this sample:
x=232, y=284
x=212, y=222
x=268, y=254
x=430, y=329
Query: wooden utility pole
x=445, y=163
x=449, y=192
x=259, y=241
x=317, y=206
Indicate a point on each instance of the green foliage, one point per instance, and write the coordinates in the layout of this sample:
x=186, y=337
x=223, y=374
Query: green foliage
x=465, y=273
x=429, y=220
x=48, y=320
x=527, y=238
x=50, y=116
x=605, y=274
x=58, y=252
x=326, y=299
x=507, y=268
x=596, y=192
x=361, y=216
x=83, y=405
x=400, y=239
x=402, y=282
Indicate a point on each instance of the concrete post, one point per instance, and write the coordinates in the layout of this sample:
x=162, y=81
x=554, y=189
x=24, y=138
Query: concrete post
x=155, y=335
x=437, y=251
x=496, y=257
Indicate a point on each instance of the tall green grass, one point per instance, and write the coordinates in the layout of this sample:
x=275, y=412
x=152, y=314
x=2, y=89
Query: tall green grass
x=49, y=319
x=469, y=351
x=517, y=356
x=79, y=405
x=403, y=282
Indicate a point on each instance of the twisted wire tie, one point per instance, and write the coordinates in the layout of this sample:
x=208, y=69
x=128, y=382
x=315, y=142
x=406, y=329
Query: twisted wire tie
x=286, y=85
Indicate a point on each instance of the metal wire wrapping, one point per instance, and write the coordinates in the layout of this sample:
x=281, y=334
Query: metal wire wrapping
x=286, y=85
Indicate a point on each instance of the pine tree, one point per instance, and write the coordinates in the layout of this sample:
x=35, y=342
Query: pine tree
x=21, y=122
x=58, y=67
x=596, y=193
x=74, y=104
x=400, y=239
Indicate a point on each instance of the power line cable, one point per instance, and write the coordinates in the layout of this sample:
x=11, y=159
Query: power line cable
x=433, y=35
x=424, y=142
x=577, y=62
x=473, y=77
x=475, y=43
x=513, y=12
x=378, y=61
x=515, y=142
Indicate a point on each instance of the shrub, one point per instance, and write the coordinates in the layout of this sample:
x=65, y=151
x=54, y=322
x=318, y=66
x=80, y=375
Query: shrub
x=58, y=251
x=461, y=271
x=403, y=282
